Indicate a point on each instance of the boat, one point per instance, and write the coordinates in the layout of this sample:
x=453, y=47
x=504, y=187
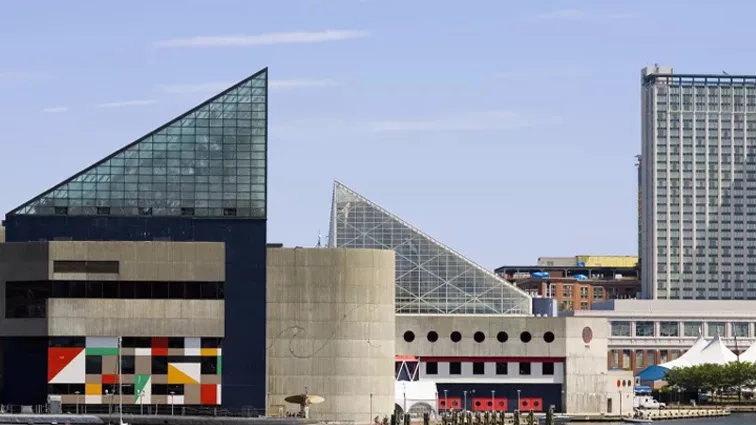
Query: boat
x=638, y=420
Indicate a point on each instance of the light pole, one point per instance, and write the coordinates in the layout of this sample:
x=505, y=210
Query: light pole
x=404, y=408
x=464, y=401
x=446, y=399
x=371, y=408
x=77, y=401
x=141, y=404
x=172, y=394
x=518, y=400
x=493, y=401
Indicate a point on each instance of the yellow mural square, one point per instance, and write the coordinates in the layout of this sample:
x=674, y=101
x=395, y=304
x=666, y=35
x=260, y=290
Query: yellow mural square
x=209, y=352
x=93, y=389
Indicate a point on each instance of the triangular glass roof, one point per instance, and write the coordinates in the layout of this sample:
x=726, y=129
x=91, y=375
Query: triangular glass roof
x=431, y=278
x=208, y=162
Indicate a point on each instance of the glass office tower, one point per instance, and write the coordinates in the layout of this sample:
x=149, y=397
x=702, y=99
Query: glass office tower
x=200, y=177
x=698, y=181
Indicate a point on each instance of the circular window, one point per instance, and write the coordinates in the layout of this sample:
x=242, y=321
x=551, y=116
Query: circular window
x=548, y=337
x=502, y=337
x=479, y=337
x=432, y=336
x=477, y=404
x=455, y=336
x=455, y=403
x=536, y=403
x=524, y=403
x=490, y=404
x=587, y=335
x=409, y=336
x=525, y=337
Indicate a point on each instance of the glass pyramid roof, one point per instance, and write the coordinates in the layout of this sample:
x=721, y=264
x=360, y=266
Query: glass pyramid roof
x=431, y=278
x=208, y=162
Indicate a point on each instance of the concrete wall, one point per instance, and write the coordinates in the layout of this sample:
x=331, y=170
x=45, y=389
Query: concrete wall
x=138, y=261
x=101, y=317
x=620, y=389
x=581, y=341
x=585, y=368
x=330, y=329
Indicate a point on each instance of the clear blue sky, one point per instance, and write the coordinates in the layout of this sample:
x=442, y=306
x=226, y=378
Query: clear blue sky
x=505, y=129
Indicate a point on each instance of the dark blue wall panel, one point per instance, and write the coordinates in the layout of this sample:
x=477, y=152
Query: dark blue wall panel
x=551, y=394
x=244, y=344
x=24, y=371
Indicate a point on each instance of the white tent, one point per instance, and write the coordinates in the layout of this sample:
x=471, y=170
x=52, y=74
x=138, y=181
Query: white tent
x=715, y=353
x=690, y=357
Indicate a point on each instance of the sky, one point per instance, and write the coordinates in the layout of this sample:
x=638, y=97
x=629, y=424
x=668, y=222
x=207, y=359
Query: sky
x=507, y=130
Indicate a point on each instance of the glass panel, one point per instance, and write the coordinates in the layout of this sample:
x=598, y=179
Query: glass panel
x=139, y=172
x=626, y=359
x=715, y=328
x=692, y=328
x=669, y=329
x=644, y=328
x=639, y=364
x=740, y=329
x=650, y=357
x=620, y=328
x=430, y=277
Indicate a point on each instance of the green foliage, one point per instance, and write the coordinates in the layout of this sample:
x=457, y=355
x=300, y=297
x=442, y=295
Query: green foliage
x=730, y=377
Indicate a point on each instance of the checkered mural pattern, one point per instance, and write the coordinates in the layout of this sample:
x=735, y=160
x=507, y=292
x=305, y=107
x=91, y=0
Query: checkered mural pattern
x=155, y=370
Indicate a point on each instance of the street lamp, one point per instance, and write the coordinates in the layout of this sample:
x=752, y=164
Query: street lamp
x=493, y=400
x=172, y=394
x=371, y=407
x=518, y=400
x=464, y=401
x=77, y=401
x=446, y=399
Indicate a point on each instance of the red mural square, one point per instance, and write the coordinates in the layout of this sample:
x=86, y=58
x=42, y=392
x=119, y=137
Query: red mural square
x=454, y=403
x=208, y=394
x=58, y=358
x=531, y=403
x=109, y=379
x=159, y=346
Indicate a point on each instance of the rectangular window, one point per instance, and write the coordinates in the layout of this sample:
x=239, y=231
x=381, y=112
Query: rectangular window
x=502, y=368
x=479, y=368
x=692, y=329
x=644, y=328
x=584, y=292
x=548, y=368
x=626, y=359
x=669, y=329
x=650, y=357
x=639, y=359
x=455, y=368
x=620, y=328
x=431, y=368
x=615, y=359
x=715, y=328
x=524, y=368
x=106, y=267
x=740, y=329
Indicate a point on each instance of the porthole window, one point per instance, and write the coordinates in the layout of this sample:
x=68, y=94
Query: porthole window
x=525, y=337
x=432, y=336
x=455, y=336
x=479, y=337
x=502, y=337
x=548, y=337
x=409, y=336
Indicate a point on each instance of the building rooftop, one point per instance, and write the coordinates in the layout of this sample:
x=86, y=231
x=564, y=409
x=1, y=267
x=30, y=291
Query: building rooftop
x=208, y=162
x=671, y=308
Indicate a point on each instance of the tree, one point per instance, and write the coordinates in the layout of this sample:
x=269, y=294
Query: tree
x=730, y=377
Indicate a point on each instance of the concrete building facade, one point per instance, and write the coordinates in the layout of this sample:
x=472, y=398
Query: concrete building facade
x=485, y=363
x=161, y=304
x=330, y=331
x=649, y=332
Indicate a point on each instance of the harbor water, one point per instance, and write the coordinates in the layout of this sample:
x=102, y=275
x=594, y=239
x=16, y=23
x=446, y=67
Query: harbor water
x=735, y=418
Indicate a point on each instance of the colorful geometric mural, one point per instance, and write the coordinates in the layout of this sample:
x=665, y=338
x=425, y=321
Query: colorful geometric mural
x=155, y=370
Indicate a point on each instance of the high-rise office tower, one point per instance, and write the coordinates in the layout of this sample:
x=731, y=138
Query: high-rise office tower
x=698, y=185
